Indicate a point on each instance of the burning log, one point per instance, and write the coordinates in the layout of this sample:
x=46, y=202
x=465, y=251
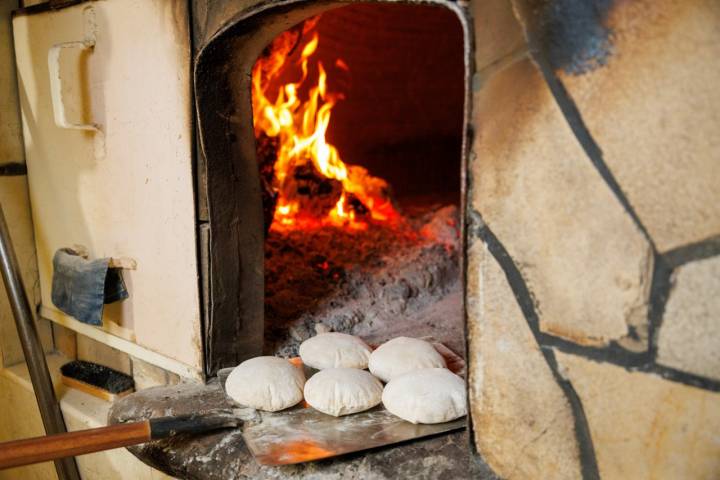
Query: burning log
x=314, y=186
x=315, y=193
x=357, y=206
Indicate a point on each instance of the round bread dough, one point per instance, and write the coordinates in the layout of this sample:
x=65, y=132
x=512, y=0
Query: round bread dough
x=432, y=395
x=341, y=391
x=266, y=383
x=335, y=350
x=401, y=355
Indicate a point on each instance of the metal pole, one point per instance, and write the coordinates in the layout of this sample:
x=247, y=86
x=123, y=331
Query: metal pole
x=32, y=348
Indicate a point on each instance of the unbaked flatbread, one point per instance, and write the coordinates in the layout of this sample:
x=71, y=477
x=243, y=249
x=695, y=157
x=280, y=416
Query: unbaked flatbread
x=335, y=350
x=266, y=383
x=341, y=391
x=401, y=355
x=433, y=395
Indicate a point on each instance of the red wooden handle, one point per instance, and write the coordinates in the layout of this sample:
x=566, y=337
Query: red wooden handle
x=51, y=447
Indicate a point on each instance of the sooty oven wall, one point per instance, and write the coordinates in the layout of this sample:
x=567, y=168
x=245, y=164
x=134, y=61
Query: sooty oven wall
x=400, y=122
x=402, y=114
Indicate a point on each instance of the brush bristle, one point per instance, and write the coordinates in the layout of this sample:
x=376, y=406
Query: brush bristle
x=98, y=376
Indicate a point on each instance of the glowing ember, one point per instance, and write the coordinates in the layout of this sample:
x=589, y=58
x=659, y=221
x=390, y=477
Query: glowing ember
x=308, y=170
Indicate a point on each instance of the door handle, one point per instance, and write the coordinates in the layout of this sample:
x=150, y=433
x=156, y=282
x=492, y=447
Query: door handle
x=60, y=92
x=66, y=94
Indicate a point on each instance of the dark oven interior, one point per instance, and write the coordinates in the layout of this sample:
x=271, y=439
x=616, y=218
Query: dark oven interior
x=338, y=209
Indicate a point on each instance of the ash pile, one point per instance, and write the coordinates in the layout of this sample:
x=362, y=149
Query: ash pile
x=377, y=283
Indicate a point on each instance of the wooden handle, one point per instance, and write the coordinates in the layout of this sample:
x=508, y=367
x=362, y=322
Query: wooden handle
x=51, y=447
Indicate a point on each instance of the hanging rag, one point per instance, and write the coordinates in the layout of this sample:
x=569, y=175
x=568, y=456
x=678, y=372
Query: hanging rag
x=81, y=287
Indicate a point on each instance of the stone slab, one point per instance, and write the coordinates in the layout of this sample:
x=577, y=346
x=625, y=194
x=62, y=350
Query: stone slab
x=585, y=262
x=643, y=426
x=689, y=337
x=653, y=110
x=522, y=421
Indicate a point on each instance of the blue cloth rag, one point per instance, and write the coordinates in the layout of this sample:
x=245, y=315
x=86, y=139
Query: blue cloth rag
x=81, y=287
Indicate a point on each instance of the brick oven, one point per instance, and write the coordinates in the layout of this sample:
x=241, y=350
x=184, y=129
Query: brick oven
x=533, y=183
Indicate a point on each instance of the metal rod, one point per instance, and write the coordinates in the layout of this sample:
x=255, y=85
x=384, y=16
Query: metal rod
x=32, y=348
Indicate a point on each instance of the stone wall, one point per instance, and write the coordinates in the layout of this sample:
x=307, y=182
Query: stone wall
x=593, y=234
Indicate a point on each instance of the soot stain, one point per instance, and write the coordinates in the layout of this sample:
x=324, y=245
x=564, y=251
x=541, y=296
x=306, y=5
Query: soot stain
x=573, y=33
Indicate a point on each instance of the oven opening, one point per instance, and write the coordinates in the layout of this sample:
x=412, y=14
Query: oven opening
x=358, y=121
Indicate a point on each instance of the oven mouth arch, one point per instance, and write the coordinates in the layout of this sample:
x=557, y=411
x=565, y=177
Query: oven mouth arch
x=232, y=255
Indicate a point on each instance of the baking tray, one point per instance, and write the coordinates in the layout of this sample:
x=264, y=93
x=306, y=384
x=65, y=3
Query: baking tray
x=303, y=434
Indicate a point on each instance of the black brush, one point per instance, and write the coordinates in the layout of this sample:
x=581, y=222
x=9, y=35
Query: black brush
x=97, y=380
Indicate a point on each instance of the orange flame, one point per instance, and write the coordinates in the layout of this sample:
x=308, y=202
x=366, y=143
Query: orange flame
x=300, y=126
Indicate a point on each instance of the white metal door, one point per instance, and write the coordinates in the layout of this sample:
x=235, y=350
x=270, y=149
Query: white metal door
x=105, y=97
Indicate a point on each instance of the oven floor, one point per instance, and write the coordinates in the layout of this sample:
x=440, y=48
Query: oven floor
x=377, y=284
x=223, y=455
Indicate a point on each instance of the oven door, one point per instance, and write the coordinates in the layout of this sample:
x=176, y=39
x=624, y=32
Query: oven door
x=107, y=124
